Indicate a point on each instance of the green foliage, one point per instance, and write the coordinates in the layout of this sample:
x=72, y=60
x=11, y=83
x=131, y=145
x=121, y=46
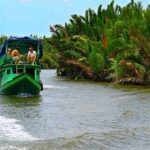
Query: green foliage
x=116, y=69
x=2, y=39
x=49, y=55
x=96, y=61
x=127, y=31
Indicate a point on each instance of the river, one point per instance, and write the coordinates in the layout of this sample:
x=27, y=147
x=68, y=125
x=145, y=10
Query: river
x=76, y=115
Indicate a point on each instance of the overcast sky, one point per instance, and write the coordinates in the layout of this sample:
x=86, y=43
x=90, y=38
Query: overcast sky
x=25, y=17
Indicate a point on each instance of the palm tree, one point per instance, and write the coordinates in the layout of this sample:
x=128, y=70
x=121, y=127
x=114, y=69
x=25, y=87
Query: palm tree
x=112, y=41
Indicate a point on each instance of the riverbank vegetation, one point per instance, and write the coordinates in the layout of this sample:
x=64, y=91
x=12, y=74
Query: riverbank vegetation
x=112, y=44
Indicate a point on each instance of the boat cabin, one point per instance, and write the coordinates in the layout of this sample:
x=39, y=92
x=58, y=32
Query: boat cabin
x=9, y=70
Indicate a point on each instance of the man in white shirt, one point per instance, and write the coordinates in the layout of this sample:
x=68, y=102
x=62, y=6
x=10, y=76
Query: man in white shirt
x=31, y=56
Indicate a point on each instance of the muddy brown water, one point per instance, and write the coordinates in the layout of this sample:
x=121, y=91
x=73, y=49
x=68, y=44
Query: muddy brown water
x=76, y=115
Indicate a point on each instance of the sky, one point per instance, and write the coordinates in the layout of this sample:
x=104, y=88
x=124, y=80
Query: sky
x=26, y=17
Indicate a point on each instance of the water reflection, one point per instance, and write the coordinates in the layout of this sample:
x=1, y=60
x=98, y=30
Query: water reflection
x=132, y=88
x=18, y=101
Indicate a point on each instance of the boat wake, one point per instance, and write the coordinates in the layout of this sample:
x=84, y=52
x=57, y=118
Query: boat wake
x=45, y=86
x=12, y=131
x=24, y=95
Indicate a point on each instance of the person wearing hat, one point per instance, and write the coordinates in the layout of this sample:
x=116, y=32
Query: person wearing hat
x=15, y=55
x=31, y=56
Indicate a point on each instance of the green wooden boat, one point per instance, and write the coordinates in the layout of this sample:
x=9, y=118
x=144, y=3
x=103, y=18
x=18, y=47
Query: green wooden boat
x=22, y=78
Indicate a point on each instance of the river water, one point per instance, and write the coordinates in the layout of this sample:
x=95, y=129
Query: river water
x=76, y=115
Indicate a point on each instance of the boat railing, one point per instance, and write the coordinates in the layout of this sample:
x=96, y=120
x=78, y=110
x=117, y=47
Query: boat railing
x=23, y=60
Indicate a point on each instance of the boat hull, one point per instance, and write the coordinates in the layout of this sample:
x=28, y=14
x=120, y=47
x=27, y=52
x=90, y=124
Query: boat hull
x=22, y=84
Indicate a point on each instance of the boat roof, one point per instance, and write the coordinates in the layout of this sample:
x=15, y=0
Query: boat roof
x=21, y=38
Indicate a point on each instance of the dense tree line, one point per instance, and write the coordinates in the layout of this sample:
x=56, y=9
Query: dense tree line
x=112, y=44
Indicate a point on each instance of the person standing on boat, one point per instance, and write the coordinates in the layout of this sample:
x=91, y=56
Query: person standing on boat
x=31, y=56
x=15, y=55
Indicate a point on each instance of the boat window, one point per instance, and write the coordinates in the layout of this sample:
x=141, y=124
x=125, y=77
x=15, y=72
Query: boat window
x=20, y=70
x=14, y=70
x=30, y=71
x=8, y=71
